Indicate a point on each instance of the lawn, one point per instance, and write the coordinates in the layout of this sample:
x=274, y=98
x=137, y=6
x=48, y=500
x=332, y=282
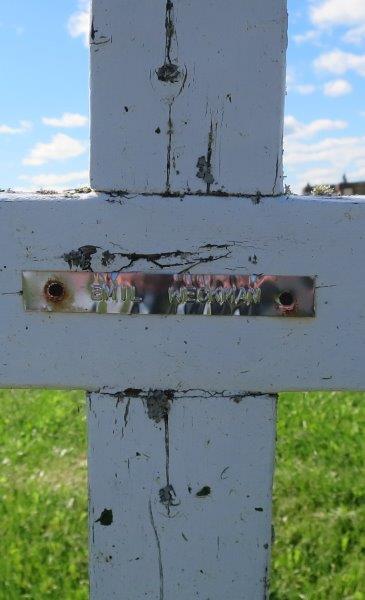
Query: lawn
x=319, y=551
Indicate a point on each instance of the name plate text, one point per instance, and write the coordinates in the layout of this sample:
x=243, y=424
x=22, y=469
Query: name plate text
x=165, y=294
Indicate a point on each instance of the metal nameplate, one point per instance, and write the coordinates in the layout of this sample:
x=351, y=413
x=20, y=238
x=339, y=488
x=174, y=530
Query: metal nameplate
x=163, y=294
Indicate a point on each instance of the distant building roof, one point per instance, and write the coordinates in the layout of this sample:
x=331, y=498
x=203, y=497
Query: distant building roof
x=345, y=188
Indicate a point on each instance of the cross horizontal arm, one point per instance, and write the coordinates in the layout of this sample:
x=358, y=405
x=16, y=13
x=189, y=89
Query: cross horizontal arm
x=321, y=238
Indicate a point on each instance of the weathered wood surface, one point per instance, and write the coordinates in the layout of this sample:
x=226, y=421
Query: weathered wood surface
x=180, y=493
x=283, y=236
x=187, y=96
x=187, y=101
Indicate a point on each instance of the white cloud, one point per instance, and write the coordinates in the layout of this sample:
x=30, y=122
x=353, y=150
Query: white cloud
x=301, y=88
x=66, y=120
x=296, y=130
x=329, y=13
x=60, y=147
x=305, y=89
x=290, y=77
x=79, y=22
x=321, y=161
x=339, y=13
x=337, y=87
x=308, y=36
x=339, y=62
x=319, y=176
x=56, y=181
x=358, y=174
x=355, y=35
x=338, y=151
x=23, y=127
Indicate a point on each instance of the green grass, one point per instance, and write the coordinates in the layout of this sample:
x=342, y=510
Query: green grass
x=43, y=523
x=320, y=498
x=319, y=551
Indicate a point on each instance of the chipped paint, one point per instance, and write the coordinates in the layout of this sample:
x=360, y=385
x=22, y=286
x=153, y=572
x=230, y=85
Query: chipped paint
x=80, y=258
x=85, y=257
x=204, y=492
x=106, y=517
x=169, y=72
x=168, y=496
x=204, y=163
x=158, y=404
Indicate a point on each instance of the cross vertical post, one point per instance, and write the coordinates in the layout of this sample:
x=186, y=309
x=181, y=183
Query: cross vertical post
x=187, y=99
x=180, y=495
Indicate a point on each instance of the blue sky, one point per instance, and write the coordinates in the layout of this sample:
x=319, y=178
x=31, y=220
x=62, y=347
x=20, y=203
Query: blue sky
x=44, y=96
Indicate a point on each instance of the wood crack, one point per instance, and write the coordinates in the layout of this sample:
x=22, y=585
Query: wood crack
x=169, y=149
x=159, y=553
x=276, y=174
x=119, y=196
x=169, y=72
x=83, y=257
x=170, y=395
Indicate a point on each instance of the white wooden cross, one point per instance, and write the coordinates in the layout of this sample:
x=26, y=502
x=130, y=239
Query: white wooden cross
x=186, y=157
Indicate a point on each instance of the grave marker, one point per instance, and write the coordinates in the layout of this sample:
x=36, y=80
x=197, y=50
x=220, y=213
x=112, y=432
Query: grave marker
x=188, y=222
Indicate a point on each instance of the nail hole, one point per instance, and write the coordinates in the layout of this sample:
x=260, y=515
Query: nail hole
x=54, y=291
x=286, y=299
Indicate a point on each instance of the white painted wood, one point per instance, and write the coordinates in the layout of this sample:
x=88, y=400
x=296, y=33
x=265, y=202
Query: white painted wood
x=224, y=111
x=216, y=546
x=286, y=236
x=216, y=130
